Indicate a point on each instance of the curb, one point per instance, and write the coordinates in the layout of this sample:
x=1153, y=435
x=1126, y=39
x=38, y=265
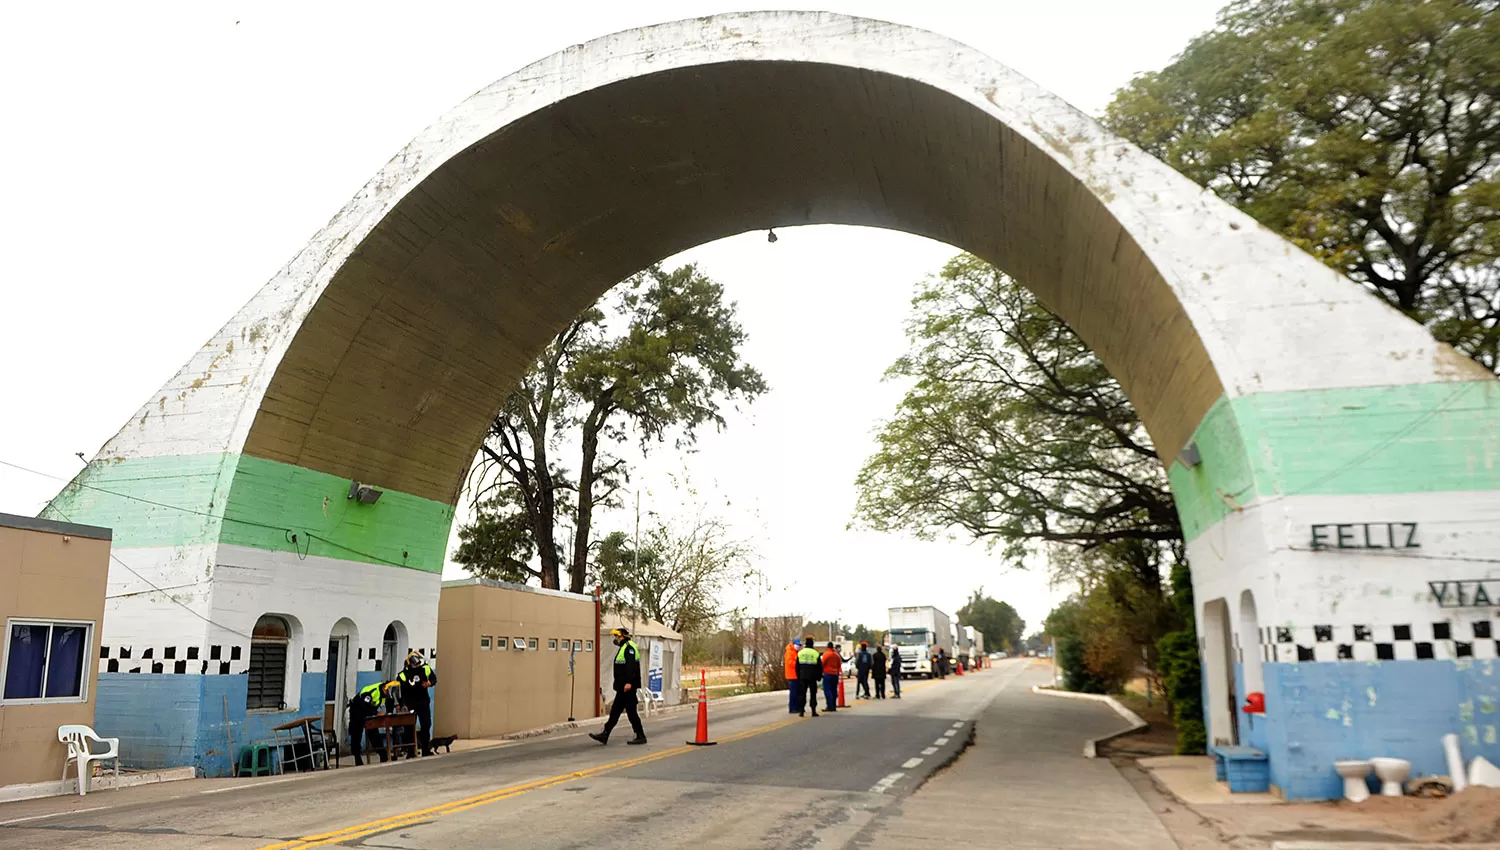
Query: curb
x=1090, y=746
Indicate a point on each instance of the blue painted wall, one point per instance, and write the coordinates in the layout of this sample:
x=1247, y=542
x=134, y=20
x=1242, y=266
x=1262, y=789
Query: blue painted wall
x=1252, y=728
x=1317, y=713
x=155, y=716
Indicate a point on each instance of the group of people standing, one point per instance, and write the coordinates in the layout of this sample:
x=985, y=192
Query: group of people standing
x=804, y=667
x=409, y=691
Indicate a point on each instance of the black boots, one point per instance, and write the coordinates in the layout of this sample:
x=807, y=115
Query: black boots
x=600, y=737
x=639, y=739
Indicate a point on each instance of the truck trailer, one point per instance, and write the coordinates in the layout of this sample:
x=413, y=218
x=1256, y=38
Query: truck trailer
x=976, y=647
x=918, y=631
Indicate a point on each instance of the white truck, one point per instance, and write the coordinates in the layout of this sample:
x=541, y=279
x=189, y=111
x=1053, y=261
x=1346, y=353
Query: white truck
x=918, y=631
x=959, y=652
x=976, y=646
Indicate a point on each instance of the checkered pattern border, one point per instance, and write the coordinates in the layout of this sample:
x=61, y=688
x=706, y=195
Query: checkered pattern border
x=217, y=659
x=1399, y=642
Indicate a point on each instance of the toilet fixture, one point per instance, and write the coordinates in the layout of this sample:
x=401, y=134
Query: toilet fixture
x=1354, y=771
x=1392, y=774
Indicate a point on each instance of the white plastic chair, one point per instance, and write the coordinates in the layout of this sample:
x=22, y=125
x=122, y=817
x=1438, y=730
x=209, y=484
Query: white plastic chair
x=81, y=753
x=654, y=700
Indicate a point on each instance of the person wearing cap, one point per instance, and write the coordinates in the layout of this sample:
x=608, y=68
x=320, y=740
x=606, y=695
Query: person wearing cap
x=789, y=670
x=416, y=680
x=365, y=705
x=862, y=663
x=809, y=671
x=627, y=688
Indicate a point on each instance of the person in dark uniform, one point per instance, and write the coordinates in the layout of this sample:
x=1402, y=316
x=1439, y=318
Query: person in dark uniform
x=415, y=681
x=862, y=662
x=878, y=669
x=895, y=672
x=627, y=689
x=809, y=673
x=365, y=705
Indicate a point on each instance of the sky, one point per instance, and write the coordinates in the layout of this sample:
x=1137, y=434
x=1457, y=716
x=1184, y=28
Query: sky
x=163, y=160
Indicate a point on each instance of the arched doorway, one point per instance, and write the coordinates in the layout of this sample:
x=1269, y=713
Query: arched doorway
x=341, y=677
x=393, y=648
x=1218, y=672
x=380, y=352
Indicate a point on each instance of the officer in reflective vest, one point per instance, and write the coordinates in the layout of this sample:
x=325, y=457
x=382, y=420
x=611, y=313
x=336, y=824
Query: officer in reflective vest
x=627, y=688
x=365, y=705
x=415, y=680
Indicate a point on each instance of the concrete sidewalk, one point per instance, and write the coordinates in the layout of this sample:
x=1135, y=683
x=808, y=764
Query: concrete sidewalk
x=1024, y=783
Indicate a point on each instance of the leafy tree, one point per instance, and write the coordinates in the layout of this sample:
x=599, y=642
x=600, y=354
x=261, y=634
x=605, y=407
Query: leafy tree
x=1182, y=675
x=1365, y=131
x=1001, y=625
x=1012, y=431
x=677, y=576
x=498, y=544
x=660, y=357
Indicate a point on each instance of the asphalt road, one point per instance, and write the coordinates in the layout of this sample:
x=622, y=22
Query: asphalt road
x=773, y=780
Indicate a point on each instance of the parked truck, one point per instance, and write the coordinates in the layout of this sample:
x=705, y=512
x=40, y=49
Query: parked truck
x=976, y=647
x=960, y=651
x=919, y=630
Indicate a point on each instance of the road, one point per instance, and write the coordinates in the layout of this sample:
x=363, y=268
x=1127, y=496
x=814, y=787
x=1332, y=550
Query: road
x=773, y=780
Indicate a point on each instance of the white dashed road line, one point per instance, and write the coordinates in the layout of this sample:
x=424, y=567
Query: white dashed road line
x=54, y=814
x=929, y=751
x=911, y=763
x=958, y=725
x=943, y=741
x=885, y=784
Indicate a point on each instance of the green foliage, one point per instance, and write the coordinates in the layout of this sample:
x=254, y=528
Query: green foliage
x=1001, y=625
x=659, y=355
x=1012, y=431
x=1365, y=131
x=498, y=543
x=678, y=574
x=1181, y=673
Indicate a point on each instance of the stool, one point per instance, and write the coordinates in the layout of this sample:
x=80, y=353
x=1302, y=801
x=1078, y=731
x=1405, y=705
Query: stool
x=256, y=760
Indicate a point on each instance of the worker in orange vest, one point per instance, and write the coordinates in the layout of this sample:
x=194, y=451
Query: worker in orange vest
x=793, y=683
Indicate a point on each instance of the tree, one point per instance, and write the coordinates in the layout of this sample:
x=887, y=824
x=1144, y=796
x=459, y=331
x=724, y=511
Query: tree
x=1365, y=131
x=660, y=357
x=499, y=543
x=677, y=576
x=998, y=621
x=1012, y=431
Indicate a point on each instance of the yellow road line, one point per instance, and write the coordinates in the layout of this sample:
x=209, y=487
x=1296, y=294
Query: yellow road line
x=369, y=828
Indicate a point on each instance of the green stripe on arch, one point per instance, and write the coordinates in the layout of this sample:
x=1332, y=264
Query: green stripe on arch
x=1417, y=438
x=172, y=501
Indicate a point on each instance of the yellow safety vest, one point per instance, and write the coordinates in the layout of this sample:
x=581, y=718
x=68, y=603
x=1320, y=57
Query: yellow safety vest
x=620, y=656
x=808, y=655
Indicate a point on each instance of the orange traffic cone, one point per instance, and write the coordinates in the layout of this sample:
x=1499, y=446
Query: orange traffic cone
x=960, y=668
x=842, y=704
x=702, y=736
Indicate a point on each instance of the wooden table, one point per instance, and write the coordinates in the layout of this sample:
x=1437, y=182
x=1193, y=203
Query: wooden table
x=308, y=727
x=389, y=723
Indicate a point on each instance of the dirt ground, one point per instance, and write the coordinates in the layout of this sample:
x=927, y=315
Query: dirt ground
x=1467, y=818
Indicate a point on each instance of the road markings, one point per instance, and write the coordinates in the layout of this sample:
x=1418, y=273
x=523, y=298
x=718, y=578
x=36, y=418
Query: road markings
x=256, y=785
x=885, y=784
x=941, y=741
x=929, y=751
x=54, y=815
x=911, y=763
x=958, y=725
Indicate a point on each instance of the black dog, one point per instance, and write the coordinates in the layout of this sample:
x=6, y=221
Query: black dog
x=446, y=742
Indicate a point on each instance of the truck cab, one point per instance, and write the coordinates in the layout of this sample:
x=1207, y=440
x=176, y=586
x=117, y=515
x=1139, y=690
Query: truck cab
x=917, y=646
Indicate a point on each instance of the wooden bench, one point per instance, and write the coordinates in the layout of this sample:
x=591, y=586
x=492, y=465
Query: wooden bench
x=1246, y=769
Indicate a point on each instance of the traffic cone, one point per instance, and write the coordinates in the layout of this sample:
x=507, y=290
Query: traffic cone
x=702, y=736
x=960, y=668
x=842, y=704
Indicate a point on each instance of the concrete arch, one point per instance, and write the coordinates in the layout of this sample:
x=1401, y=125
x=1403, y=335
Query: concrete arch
x=1278, y=393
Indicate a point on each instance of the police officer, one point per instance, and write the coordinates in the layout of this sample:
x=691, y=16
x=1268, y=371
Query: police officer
x=809, y=672
x=415, y=680
x=365, y=705
x=627, y=689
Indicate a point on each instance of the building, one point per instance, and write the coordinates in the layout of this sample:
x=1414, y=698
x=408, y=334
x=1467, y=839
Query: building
x=661, y=655
x=514, y=657
x=52, y=581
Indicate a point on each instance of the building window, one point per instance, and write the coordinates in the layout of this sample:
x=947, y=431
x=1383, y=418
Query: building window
x=588, y=646
x=484, y=643
x=551, y=644
x=268, y=644
x=577, y=646
x=519, y=644
x=46, y=661
x=502, y=644
x=531, y=643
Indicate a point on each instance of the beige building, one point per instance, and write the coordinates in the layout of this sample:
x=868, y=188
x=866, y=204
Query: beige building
x=647, y=634
x=505, y=652
x=52, y=584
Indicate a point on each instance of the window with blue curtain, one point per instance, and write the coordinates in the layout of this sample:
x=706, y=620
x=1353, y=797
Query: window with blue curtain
x=46, y=661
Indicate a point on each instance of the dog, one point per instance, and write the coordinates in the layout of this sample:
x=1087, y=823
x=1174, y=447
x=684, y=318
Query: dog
x=446, y=742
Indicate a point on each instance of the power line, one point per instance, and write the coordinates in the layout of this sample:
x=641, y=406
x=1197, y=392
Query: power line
x=290, y=532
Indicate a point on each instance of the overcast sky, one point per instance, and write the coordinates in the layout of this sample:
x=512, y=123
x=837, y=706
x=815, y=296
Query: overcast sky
x=163, y=160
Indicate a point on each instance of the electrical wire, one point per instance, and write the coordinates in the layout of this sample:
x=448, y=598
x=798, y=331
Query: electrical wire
x=287, y=532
